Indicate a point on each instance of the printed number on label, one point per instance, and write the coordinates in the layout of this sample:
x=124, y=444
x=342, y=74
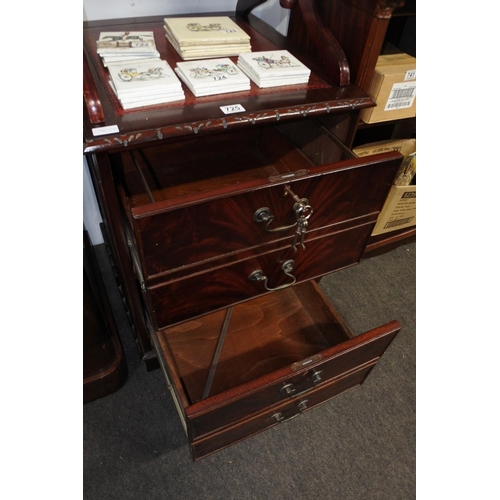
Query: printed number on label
x=233, y=108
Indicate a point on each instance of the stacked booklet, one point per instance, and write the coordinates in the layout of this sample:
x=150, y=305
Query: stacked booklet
x=118, y=46
x=273, y=68
x=213, y=76
x=206, y=37
x=145, y=83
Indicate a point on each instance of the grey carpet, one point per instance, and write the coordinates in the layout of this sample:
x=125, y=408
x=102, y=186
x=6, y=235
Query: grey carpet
x=358, y=446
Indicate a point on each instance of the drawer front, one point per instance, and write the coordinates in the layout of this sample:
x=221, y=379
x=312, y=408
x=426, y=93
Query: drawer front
x=278, y=414
x=197, y=295
x=298, y=381
x=188, y=235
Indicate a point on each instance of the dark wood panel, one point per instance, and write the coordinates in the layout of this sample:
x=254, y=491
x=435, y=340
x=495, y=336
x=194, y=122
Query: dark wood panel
x=104, y=364
x=359, y=27
x=195, y=236
x=319, y=369
x=104, y=183
x=269, y=418
x=382, y=243
x=343, y=192
x=173, y=302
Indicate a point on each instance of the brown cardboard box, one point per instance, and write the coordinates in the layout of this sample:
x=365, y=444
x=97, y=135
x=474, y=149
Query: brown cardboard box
x=393, y=87
x=400, y=210
x=404, y=146
x=407, y=147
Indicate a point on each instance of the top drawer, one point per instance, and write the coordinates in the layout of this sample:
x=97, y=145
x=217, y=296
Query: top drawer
x=223, y=194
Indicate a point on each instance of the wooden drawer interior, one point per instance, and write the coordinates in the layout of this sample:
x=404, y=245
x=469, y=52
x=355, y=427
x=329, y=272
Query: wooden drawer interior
x=258, y=340
x=288, y=339
x=177, y=202
x=192, y=169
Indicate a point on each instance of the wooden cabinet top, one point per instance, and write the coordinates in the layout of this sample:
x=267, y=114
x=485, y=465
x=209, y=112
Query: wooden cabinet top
x=141, y=126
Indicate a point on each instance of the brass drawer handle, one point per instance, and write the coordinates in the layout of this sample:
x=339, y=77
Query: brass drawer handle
x=302, y=211
x=264, y=214
x=287, y=267
x=290, y=390
x=302, y=407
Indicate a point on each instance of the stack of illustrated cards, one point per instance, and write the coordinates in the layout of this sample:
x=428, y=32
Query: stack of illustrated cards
x=145, y=83
x=118, y=46
x=205, y=37
x=213, y=76
x=273, y=68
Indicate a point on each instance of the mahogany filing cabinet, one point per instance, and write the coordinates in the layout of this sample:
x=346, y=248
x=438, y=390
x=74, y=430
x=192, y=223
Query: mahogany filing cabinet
x=220, y=226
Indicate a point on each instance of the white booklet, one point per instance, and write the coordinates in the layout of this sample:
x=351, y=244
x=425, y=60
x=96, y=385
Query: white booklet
x=147, y=100
x=212, y=76
x=143, y=76
x=113, y=42
x=204, y=30
x=273, y=68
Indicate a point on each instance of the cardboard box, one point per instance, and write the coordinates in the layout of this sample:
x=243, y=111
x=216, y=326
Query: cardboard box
x=404, y=146
x=394, y=88
x=400, y=210
x=407, y=147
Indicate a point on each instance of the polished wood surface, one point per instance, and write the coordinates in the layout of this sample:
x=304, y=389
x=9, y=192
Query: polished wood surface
x=104, y=364
x=259, y=422
x=358, y=25
x=179, y=185
x=377, y=245
x=328, y=47
x=305, y=347
x=221, y=207
x=203, y=115
x=222, y=287
x=90, y=95
x=116, y=238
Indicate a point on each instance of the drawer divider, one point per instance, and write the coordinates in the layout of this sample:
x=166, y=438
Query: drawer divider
x=141, y=175
x=218, y=350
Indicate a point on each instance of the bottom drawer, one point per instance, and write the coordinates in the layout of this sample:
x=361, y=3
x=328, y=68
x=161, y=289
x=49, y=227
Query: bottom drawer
x=276, y=350
x=280, y=414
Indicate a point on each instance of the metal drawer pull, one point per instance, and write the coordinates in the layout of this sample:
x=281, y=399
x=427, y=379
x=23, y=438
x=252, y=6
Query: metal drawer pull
x=279, y=417
x=302, y=406
x=288, y=388
x=287, y=267
x=264, y=215
x=316, y=377
x=302, y=211
x=292, y=392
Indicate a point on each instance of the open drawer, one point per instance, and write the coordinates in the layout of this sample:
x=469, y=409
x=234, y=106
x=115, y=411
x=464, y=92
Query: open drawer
x=239, y=371
x=194, y=202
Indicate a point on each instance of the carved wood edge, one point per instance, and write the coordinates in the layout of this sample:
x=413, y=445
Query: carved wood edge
x=132, y=139
x=90, y=95
x=330, y=51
